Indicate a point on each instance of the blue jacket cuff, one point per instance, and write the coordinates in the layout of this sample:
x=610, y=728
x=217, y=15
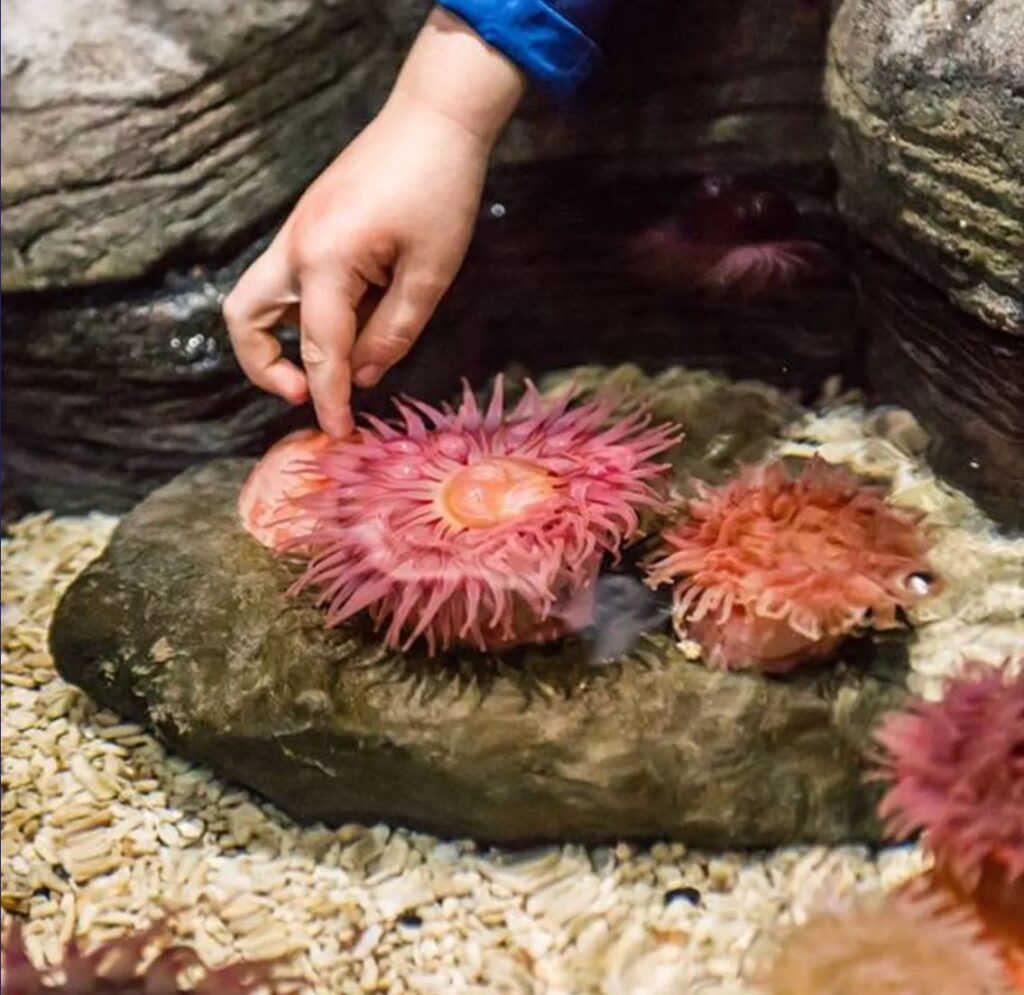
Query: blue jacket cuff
x=545, y=44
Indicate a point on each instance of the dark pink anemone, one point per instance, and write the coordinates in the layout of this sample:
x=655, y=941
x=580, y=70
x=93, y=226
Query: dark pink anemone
x=484, y=528
x=771, y=570
x=956, y=767
x=140, y=963
x=731, y=240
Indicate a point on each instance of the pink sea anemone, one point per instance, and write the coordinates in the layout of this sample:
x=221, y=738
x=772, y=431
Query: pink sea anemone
x=771, y=570
x=731, y=240
x=956, y=768
x=484, y=528
x=910, y=944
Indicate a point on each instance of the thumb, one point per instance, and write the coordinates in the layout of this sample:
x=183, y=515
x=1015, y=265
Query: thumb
x=398, y=319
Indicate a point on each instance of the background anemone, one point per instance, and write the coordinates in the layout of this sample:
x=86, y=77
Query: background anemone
x=886, y=945
x=731, y=239
x=481, y=527
x=141, y=963
x=771, y=570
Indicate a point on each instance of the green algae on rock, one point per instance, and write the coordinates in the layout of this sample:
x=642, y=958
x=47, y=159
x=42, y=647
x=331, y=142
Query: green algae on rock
x=184, y=624
x=726, y=422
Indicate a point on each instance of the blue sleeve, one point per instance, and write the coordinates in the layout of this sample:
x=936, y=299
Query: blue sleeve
x=555, y=42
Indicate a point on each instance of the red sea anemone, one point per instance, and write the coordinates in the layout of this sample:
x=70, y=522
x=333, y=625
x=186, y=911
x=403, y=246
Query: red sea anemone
x=886, y=945
x=476, y=527
x=139, y=963
x=772, y=570
x=957, y=772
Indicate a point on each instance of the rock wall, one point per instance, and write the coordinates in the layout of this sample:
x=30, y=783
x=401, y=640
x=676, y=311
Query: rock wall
x=963, y=379
x=927, y=101
x=135, y=130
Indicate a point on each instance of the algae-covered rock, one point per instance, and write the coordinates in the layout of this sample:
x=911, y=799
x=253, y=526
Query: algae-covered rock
x=184, y=623
x=727, y=422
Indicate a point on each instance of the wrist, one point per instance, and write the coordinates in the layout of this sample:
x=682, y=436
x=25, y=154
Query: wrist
x=453, y=73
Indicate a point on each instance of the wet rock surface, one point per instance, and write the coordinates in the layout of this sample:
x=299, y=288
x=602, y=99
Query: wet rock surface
x=109, y=394
x=927, y=101
x=184, y=624
x=962, y=379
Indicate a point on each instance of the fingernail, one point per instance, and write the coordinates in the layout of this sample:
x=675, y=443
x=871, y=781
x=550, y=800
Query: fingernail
x=367, y=376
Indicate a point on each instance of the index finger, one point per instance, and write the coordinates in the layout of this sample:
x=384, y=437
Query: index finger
x=328, y=327
x=253, y=309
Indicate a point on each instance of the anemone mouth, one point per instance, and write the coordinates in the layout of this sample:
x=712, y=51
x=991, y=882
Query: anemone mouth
x=494, y=490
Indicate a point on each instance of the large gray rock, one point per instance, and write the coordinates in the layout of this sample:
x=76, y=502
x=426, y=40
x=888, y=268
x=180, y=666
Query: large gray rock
x=184, y=624
x=927, y=98
x=136, y=129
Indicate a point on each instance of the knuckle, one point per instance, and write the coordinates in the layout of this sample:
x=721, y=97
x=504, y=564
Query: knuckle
x=312, y=353
x=312, y=249
x=427, y=288
x=319, y=246
x=309, y=257
x=398, y=338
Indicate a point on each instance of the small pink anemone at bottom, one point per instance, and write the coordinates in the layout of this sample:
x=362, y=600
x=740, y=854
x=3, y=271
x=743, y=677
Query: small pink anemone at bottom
x=145, y=962
x=956, y=774
x=771, y=570
x=478, y=527
x=905, y=944
x=956, y=770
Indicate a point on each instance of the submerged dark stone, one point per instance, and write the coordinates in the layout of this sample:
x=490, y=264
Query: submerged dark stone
x=184, y=624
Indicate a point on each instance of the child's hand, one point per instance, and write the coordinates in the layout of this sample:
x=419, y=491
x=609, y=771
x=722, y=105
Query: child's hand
x=392, y=216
